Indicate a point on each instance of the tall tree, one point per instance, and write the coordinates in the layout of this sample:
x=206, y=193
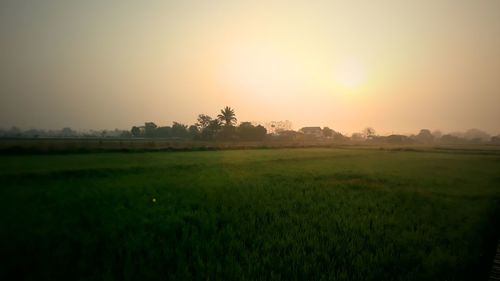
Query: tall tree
x=227, y=116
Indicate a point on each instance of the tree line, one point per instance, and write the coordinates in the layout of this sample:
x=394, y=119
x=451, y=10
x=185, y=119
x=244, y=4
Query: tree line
x=222, y=127
x=225, y=127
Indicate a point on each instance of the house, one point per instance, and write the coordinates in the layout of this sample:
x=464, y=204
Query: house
x=398, y=139
x=312, y=131
x=288, y=135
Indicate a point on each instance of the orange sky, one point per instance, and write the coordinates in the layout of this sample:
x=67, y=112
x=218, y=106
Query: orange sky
x=395, y=65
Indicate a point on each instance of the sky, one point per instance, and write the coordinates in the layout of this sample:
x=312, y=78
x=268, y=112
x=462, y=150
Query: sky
x=398, y=66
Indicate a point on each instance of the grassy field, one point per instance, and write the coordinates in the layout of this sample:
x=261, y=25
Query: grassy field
x=272, y=214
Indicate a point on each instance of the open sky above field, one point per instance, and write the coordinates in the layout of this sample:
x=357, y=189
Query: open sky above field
x=398, y=66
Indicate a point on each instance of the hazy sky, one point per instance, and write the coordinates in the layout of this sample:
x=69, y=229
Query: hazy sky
x=395, y=65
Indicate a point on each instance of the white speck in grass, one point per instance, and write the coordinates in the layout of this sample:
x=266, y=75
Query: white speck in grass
x=154, y=200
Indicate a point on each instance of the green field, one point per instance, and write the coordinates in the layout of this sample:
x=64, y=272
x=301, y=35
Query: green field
x=272, y=214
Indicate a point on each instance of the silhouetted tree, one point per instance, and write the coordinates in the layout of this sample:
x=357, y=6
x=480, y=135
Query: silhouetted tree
x=275, y=127
x=32, y=133
x=357, y=136
x=125, y=134
x=194, y=132
x=424, y=136
x=227, y=116
x=260, y=132
x=336, y=136
x=179, y=130
x=476, y=135
x=67, y=132
x=203, y=121
x=163, y=132
x=136, y=132
x=437, y=134
x=449, y=138
x=369, y=132
x=14, y=132
x=211, y=131
x=227, y=133
x=327, y=132
x=247, y=131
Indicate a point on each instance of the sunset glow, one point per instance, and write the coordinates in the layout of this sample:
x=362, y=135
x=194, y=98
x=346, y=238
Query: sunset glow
x=350, y=74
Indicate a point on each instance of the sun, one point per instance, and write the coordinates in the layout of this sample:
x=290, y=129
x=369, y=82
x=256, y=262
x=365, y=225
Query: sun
x=350, y=74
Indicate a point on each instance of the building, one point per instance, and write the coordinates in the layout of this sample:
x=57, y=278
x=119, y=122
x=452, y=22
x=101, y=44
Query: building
x=312, y=131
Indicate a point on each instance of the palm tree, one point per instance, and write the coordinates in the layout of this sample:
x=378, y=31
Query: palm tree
x=227, y=116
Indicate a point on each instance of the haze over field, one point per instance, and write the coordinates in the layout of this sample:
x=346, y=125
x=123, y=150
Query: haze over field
x=395, y=65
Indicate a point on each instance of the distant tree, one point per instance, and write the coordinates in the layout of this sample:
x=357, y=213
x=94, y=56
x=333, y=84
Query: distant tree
x=150, y=129
x=327, y=132
x=247, y=131
x=211, y=131
x=203, y=121
x=244, y=125
x=179, y=130
x=32, y=133
x=227, y=133
x=67, y=132
x=227, y=116
x=437, y=134
x=424, y=136
x=477, y=135
x=336, y=136
x=260, y=132
x=276, y=127
x=194, y=132
x=215, y=124
x=357, y=136
x=136, y=131
x=14, y=132
x=163, y=132
x=449, y=138
x=369, y=132
x=125, y=134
